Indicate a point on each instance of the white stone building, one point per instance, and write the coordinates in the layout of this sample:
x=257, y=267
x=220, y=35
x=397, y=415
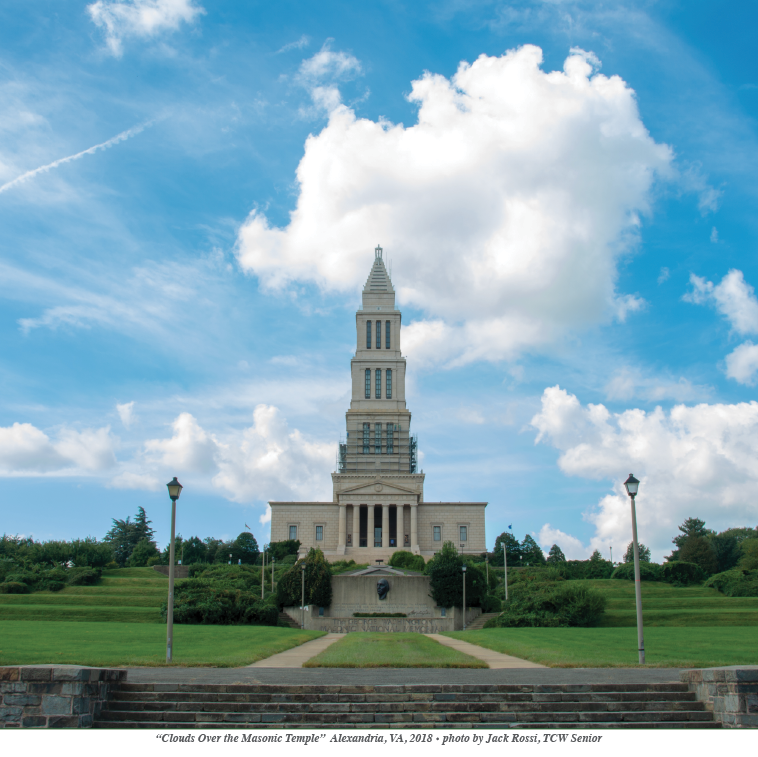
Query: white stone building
x=378, y=505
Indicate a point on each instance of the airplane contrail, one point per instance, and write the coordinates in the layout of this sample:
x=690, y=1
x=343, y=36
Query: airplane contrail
x=102, y=146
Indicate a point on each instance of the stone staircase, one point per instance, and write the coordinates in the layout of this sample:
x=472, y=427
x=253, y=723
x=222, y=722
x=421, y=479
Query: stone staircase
x=657, y=705
x=480, y=620
x=287, y=620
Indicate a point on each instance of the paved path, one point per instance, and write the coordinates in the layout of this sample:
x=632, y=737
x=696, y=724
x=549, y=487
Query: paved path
x=495, y=660
x=295, y=657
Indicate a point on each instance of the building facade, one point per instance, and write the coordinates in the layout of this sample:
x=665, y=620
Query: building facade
x=378, y=502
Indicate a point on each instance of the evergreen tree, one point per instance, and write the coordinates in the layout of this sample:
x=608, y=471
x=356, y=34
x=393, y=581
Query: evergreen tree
x=698, y=550
x=596, y=556
x=123, y=539
x=512, y=549
x=629, y=554
x=555, y=555
x=142, y=552
x=727, y=551
x=142, y=526
x=531, y=554
x=690, y=527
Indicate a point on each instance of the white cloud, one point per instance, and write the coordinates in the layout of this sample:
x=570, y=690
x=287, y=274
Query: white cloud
x=26, y=451
x=321, y=74
x=696, y=461
x=266, y=461
x=120, y=19
x=572, y=548
x=714, y=235
x=630, y=383
x=298, y=44
x=505, y=207
x=129, y=480
x=126, y=413
x=664, y=275
x=742, y=363
x=733, y=298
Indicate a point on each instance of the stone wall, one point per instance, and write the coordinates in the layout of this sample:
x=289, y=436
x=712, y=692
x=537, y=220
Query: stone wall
x=407, y=594
x=730, y=692
x=54, y=696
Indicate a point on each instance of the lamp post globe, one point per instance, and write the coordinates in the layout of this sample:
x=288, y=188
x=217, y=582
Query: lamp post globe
x=174, y=490
x=632, y=486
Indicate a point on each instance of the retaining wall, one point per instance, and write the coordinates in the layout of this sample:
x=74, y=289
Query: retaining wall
x=730, y=692
x=54, y=696
x=452, y=622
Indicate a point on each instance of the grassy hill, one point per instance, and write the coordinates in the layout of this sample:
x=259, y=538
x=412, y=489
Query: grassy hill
x=128, y=595
x=667, y=605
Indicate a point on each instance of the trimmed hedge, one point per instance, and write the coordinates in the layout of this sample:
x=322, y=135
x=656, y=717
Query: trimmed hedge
x=407, y=560
x=550, y=604
x=13, y=587
x=735, y=583
x=649, y=571
x=205, y=602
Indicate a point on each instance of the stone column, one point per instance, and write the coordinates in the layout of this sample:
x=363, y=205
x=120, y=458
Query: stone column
x=356, y=525
x=414, y=528
x=385, y=526
x=341, y=534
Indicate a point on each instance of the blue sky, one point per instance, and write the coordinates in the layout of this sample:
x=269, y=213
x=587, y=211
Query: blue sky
x=572, y=235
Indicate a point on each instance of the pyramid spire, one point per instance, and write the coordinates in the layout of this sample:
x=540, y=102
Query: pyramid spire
x=378, y=280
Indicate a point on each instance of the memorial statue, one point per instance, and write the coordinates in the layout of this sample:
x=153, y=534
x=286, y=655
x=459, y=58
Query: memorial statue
x=382, y=587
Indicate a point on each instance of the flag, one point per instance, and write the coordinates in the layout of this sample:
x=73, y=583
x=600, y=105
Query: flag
x=246, y=526
x=511, y=527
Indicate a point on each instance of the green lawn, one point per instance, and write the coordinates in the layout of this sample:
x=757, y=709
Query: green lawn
x=667, y=605
x=391, y=650
x=698, y=647
x=116, y=644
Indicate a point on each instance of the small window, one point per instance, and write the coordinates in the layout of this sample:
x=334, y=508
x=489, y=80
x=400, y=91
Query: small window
x=387, y=335
x=368, y=335
x=390, y=438
x=319, y=533
x=368, y=383
x=389, y=383
x=293, y=533
x=437, y=533
x=378, y=383
x=378, y=438
x=378, y=335
x=464, y=532
x=443, y=612
x=321, y=612
x=366, y=437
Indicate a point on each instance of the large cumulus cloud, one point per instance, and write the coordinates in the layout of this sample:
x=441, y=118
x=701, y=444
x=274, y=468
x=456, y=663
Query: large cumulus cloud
x=505, y=206
x=694, y=461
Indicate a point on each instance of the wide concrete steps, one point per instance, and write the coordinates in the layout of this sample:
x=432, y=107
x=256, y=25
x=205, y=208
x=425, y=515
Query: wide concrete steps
x=411, y=706
x=480, y=620
x=286, y=620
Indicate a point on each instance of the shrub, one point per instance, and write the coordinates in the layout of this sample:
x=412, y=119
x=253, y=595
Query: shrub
x=749, y=552
x=318, y=582
x=735, y=583
x=111, y=565
x=14, y=587
x=56, y=574
x=83, y=576
x=154, y=560
x=649, y=571
x=407, y=560
x=491, y=603
x=198, y=568
x=698, y=550
x=55, y=585
x=682, y=573
x=550, y=604
x=28, y=579
x=204, y=602
x=279, y=550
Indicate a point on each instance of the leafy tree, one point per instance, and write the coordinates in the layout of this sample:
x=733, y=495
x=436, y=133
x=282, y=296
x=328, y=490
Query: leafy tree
x=749, y=550
x=727, y=550
x=512, y=549
x=123, y=539
x=144, y=550
x=318, y=582
x=644, y=552
x=195, y=551
x=531, y=554
x=555, y=555
x=698, y=550
x=444, y=570
x=280, y=549
x=245, y=548
x=214, y=546
x=740, y=534
x=690, y=527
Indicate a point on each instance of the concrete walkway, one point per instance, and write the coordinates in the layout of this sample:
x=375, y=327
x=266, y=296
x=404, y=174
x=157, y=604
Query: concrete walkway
x=295, y=657
x=495, y=660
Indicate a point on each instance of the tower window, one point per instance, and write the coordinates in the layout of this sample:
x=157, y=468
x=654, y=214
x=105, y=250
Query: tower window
x=387, y=335
x=368, y=383
x=378, y=438
x=378, y=335
x=368, y=335
x=319, y=533
x=390, y=438
x=389, y=384
x=378, y=383
x=366, y=437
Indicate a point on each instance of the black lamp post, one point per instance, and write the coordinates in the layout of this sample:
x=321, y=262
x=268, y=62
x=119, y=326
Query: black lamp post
x=632, y=487
x=463, y=570
x=302, y=598
x=174, y=490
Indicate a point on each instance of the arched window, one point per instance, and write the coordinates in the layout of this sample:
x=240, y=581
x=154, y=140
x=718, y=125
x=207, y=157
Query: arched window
x=387, y=335
x=366, y=437
x=368, y=335
x=378, y=335
x=388, y=393
x=378, y=383
x=368, y=383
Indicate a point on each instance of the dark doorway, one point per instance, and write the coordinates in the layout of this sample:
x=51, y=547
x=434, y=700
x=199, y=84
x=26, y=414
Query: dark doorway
x=377, y=526
x=393, y=525
x=363, y=526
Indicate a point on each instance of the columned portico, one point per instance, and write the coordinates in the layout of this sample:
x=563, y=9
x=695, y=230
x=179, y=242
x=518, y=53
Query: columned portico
x=342, y=535
x=414, y=528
